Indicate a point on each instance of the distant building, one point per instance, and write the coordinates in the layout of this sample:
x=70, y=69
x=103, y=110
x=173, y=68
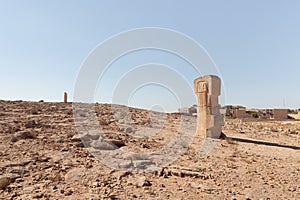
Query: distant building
x=183, y=110
x=280, y=113
x=266, y=113
x=188, y=110
x=236, y=111
x=240, y=113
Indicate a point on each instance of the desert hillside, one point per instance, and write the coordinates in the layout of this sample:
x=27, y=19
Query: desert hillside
x=42, y=156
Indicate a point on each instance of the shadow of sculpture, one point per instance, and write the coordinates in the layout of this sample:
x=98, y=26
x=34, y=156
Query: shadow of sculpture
x=261, y=142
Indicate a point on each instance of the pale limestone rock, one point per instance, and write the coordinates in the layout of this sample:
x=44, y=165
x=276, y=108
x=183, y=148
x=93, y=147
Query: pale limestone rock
x=210, y=121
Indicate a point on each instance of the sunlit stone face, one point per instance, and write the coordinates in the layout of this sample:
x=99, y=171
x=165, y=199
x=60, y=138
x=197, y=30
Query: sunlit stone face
x=210, y=121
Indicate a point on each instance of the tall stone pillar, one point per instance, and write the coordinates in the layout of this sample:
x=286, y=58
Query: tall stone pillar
x=209, y=120
x=65, y=97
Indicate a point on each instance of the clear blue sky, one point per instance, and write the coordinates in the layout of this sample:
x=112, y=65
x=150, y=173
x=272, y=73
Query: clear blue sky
x=255, y=44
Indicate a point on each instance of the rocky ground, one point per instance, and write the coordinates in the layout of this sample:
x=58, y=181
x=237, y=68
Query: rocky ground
x=43, y=156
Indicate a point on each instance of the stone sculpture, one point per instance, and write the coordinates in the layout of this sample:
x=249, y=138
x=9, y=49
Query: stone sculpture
x=210, y=121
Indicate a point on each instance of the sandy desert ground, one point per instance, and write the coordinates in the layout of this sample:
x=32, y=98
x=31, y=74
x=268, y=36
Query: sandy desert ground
x=43, y=157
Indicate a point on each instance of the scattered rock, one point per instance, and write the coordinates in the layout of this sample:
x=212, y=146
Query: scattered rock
x=140, y=181
x=34, y=111
x=274, y=129
x=103, y=122
x=30, y=124
x=18, y=170
x=293, y=132
x=53, y=108
x=102, y=145
x=7, y=179
x=184, y=172
x=118, y=143
x=53, y=167
x=23, y=135
x=129, y=130
x=196, y=185
x=4, y=182
x=13, y=139
x=75, y=174
x=69, y=193
x=76, y=138
x=94, y=134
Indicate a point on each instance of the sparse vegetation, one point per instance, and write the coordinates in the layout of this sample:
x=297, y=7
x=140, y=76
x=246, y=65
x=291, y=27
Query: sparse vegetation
x=253, y=114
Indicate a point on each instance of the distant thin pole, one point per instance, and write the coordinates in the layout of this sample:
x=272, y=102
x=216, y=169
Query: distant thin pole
x=65, y=97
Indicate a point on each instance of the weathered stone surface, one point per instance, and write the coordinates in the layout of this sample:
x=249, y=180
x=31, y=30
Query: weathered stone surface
x=210, y=121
